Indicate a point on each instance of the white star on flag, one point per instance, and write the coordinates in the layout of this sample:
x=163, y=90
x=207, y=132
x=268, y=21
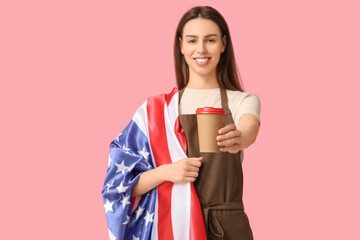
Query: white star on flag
x=121, y=167
x=109, y=161
x=139, y=212
x=119, y=136
x=136, y=238
x=131, y=167
x=125, y=201
x=121, y=188
x=108, y=186
x=127, y=150
x=127, y=219
x=143, y=153
x=148, y=217
x=149, y=166
x=108, y=206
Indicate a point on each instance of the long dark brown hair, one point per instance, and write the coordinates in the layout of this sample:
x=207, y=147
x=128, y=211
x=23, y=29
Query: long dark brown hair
x=227, y=73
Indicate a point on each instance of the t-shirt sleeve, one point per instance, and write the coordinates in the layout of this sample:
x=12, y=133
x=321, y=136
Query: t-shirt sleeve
x=249, y=104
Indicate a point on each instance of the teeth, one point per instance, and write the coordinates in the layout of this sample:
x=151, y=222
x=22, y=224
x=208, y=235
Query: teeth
x=202, y=59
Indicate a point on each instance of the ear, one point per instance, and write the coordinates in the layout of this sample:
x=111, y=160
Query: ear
x=180, y=45
x=224, y=43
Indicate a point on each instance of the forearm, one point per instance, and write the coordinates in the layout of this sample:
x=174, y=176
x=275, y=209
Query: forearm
x=249, y=128
x=149, y=180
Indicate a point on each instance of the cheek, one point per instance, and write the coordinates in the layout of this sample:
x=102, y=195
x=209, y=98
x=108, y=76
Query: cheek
x=188, y=57
x=216, y=49
x=189, y=51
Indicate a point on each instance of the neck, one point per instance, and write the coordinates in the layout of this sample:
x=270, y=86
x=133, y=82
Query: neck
x=197, y=81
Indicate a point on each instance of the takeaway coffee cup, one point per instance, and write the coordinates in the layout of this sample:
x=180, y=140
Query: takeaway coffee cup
x=209, y=121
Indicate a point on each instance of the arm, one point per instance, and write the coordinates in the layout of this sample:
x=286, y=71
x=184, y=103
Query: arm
x=249, y=127
x=148, y=180
x=184, y=170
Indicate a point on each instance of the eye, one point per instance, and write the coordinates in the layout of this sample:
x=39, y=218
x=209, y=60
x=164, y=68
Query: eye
x=211, y=40
x=191, y=41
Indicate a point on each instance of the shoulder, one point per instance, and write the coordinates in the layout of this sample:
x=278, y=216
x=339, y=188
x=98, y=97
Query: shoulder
x=241, y=103
x=237, y=97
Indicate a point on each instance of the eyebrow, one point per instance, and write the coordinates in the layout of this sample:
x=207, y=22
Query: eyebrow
x=209, y=35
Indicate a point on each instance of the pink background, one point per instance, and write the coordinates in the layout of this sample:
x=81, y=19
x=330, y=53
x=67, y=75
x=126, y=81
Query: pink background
x=74, y=72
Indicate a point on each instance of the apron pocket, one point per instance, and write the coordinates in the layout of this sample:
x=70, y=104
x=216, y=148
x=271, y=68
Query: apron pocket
x=229, y=224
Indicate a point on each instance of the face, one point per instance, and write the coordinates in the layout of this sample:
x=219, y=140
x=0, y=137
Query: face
x=202, y=45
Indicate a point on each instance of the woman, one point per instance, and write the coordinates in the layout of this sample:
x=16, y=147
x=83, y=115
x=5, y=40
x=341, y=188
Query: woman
x=206, y=76
x=205, y=62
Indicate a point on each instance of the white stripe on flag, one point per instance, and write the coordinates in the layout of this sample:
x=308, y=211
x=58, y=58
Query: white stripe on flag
x=140, y=118
x=172, y=109
x=180, y=198
x=171, y=114
x=154, y=231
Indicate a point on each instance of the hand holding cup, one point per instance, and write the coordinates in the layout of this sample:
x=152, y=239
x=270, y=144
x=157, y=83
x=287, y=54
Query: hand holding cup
x=229, y=138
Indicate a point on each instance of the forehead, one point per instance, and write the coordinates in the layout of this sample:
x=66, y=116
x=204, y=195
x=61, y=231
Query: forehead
x=200, y=27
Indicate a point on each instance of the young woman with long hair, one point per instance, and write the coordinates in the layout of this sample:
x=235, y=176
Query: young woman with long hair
x=205, y=65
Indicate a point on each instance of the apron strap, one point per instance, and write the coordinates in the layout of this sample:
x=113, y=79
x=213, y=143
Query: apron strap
x=211, y=222
x=181, y=93
x=224, y=98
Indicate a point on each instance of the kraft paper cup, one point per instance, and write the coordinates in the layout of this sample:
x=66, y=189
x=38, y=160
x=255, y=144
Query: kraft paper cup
x=209, y=121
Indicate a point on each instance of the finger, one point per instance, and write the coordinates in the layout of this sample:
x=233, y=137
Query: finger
x=229, y=142
x=195, y=163
x=228, y=135
x=229, y=127
x=192, y=169
x=233, y=149
x=191, y=174
x=189, y=179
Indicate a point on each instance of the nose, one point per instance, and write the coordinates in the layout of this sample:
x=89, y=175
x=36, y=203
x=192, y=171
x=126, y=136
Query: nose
x=202, y=47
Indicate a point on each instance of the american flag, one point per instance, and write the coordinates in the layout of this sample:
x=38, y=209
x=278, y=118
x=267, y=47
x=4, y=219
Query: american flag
x=170, y=211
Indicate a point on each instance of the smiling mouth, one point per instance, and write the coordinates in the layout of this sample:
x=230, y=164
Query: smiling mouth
x=202, y=60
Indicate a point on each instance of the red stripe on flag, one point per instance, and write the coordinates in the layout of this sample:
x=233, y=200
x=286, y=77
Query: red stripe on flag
x=170, y=95
x=180, y=135
x=158, y=141
x=132, y=204
x=179, y=132
x=197, y=226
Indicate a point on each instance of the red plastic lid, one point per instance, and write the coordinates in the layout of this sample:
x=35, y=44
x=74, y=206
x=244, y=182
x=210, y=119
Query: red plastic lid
x=210, y=110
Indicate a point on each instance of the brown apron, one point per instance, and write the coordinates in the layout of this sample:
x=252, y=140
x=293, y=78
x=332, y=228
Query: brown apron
x=220, y=183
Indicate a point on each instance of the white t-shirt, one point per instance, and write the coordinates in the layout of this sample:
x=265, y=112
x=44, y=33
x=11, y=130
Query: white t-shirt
x=239, y=102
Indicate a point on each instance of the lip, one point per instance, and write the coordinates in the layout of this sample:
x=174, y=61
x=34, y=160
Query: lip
x=204, y=63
